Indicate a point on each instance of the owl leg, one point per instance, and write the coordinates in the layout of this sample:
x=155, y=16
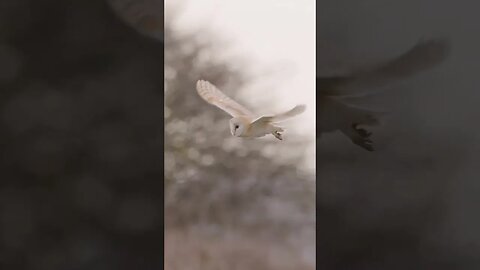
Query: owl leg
x=277, y=135
x=359, y=136
x=363, y=139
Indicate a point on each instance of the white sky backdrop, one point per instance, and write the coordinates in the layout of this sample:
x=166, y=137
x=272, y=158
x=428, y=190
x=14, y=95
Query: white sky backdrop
x=274, y=36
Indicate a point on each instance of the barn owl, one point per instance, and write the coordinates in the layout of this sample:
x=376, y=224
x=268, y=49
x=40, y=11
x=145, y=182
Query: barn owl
x=244, y=123
x=336, y=113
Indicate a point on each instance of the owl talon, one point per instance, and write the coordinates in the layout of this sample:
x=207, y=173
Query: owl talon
x=364, y=140
x=277, y=135
x=361, y=131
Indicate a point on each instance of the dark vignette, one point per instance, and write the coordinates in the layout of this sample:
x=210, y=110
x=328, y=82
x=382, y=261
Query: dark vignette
x=81, y=139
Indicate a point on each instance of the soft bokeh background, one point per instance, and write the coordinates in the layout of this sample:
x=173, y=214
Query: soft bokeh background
x=230, y=202
x=81, y=136
x=277, y=40
x=412, y=204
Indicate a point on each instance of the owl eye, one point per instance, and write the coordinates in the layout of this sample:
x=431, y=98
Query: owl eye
x=236, y=126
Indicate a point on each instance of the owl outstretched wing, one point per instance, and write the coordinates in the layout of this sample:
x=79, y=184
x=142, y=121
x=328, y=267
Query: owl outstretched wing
x=281, y=116
x=336, y=113
x=423, y=56
x=211, y=94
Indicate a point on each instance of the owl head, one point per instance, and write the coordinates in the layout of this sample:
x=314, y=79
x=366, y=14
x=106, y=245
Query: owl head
x=237, y=127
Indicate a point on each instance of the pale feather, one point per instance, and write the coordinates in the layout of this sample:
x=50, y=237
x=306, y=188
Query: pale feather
x=211, y=94
x=281, y=116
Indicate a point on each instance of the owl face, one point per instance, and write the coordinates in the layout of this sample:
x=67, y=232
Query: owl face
x=237, y=127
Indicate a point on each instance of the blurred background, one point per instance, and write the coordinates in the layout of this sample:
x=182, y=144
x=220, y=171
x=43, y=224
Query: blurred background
x=412, y=204
x=232, y=203
x=82, y=139
x=81, y=135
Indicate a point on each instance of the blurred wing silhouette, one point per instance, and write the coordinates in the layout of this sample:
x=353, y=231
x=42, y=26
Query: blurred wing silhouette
x=211, y=94
x=423, y=56
x=336, y=113
x=145, y=16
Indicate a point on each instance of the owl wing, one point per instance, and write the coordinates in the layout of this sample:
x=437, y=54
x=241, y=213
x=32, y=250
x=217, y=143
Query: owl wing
x=337, y=114
x=281, y=116
x=423, y=56
x=211, y=94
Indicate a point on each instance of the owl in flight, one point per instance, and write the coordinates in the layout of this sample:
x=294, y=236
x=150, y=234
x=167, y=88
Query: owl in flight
x=333, y=109
x=244, y=123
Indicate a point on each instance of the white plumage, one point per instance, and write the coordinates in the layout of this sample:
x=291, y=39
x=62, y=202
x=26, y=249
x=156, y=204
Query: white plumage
x=245, y=123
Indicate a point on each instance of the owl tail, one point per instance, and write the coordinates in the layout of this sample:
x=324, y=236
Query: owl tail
x=289, y=114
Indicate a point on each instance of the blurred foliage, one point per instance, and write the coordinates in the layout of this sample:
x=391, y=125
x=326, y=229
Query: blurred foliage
x=216, y=183
x=191, y=250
